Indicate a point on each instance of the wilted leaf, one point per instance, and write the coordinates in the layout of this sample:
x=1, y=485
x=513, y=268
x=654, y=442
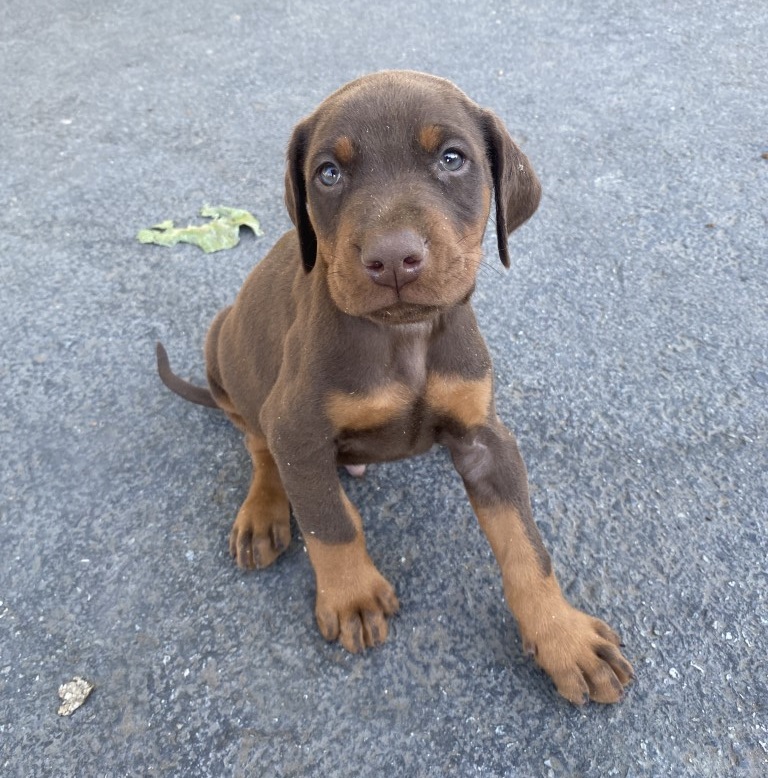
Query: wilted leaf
x=222, y=232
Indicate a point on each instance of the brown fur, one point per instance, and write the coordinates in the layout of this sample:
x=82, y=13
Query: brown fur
x=354, y=341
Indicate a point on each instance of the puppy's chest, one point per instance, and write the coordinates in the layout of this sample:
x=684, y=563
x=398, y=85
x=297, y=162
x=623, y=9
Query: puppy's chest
x=403, y=415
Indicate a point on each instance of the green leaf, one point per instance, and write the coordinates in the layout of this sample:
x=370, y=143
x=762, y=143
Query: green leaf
x=222, y=232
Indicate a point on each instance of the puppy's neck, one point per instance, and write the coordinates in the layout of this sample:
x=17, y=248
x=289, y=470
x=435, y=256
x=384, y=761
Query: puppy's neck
x=408, y=349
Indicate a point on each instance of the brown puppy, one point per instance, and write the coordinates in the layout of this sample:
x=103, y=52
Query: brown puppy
x=354, y=341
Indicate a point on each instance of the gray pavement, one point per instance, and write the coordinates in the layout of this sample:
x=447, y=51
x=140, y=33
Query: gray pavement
x=630, y=341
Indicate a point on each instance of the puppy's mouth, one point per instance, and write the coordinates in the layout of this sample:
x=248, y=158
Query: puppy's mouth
x=404, y=313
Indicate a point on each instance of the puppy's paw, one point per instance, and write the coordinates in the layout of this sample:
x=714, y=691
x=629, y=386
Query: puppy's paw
x=581, y=654
x=259, y=535
x=356, y=610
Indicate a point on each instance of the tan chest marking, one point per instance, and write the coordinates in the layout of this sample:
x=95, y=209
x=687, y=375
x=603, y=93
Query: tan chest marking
x=468, y=401
x=360, y=411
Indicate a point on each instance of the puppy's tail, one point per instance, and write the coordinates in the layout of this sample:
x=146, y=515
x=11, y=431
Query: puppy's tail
x=191, y=393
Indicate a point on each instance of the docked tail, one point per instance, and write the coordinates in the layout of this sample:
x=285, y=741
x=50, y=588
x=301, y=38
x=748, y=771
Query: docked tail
x=191, y=393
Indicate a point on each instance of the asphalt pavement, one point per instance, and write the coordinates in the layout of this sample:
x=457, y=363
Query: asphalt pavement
x=630, y=345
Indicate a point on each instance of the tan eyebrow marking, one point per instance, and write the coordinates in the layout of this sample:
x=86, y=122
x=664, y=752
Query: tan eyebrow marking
x=430, y=137
x=344, y=150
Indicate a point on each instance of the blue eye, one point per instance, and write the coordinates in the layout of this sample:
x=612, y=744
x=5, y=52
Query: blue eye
x=329, y=174
x=452, y=160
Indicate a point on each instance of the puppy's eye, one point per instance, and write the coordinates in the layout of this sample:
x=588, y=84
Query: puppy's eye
x=329, y=174
x=452, y=160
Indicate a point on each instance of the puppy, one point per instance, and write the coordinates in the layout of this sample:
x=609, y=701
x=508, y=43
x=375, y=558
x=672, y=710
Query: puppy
x=354, y=341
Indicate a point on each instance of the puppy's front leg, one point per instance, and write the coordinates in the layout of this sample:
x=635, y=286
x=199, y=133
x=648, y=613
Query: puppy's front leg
x=354, y=601
x=580, y=653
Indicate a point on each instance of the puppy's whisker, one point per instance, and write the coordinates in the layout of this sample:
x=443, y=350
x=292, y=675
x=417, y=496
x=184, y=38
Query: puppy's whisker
x=468, y=236
x=492, y=267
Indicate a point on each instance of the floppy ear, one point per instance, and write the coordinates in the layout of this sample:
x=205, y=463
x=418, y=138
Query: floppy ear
x=517, y=189
x=296, y=196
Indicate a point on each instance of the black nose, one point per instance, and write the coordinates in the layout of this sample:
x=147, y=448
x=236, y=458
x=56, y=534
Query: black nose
x=394, y=259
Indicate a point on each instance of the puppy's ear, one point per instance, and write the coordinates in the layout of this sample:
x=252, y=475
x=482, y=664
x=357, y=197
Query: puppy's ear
x=517, y=189
x=296, y=196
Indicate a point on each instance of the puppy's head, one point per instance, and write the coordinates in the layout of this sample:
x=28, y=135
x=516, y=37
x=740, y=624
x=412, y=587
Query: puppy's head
x=389, y=185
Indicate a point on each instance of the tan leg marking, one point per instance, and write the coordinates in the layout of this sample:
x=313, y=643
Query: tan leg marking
x=365, y=411
x=465, y=400
x=579, y=652
x=262, y=529
x=354, y=601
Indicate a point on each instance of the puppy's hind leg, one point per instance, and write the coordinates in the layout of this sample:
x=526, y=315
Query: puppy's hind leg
x=262, y=529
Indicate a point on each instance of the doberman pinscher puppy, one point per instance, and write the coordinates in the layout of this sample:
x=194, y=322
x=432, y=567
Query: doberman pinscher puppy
x=354, y=341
